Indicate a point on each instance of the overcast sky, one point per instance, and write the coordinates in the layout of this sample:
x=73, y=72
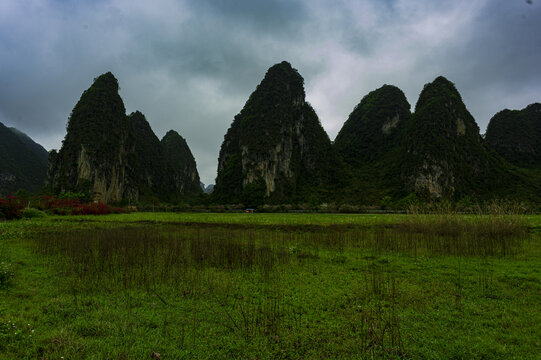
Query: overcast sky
x=191, y=65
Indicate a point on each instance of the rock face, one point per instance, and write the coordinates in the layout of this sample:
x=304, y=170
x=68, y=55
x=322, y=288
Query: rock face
x=182, y=164
x=516, y=135
x=23, y=162
x=374, y=126
x=371, y=143
x=110, y=155
x=437, y=152
x=275, y=148
x=147, y=161
x=445, y=155
x=94, y=157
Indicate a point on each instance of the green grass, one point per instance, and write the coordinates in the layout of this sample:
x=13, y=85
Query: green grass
x=271, y=219
x=267, y=286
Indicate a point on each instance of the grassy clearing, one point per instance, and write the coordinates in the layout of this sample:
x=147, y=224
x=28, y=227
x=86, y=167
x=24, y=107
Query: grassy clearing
x=276, y=286
x=285, y=219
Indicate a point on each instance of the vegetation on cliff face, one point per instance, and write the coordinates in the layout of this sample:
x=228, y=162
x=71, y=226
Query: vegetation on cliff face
x=371, y=143
x=371, y=128
x=447, y=156
x=109, y=155
x=181, y=164
x=147, y=162
x=445, y=152
x=436, y=152
x=516, y=135
x=275, y=150
x=94, y=154
x=23, y=163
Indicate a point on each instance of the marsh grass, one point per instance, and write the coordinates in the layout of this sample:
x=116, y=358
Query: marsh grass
x=498, y=229
x=169, y=255
x=244, y=283
x=142, y=256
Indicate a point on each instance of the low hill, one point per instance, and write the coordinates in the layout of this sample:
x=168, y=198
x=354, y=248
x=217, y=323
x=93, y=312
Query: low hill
x=23, y=162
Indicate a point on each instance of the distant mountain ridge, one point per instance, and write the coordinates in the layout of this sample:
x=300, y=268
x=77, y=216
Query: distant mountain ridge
x=23, y=162
x=181, y=162
x=277, y=152
x=208, y=189
x=516, y=135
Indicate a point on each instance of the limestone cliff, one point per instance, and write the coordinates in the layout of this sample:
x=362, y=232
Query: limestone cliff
x=371, y=143
x=181, y=163
x=276, y=148
x=109, y=155
x=516, y=135
x=444, y=152
x=374, y=126
x=95, y=152
x=436, y=152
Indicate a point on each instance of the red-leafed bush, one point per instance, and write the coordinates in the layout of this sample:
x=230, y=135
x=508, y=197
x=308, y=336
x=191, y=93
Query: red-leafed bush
x=12, y=206
x=75, y=207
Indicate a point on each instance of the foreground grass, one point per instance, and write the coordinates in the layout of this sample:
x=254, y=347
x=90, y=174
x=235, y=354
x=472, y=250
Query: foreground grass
x=277, y=286
x=278, y=219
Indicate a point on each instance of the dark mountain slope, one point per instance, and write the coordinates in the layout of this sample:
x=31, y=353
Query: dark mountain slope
x=95, y=152
x=437, y=152
x=181, y=164
x=516, y=135
x=23, y=162
x=372, y=143
x=275, y=149
x=112, y=156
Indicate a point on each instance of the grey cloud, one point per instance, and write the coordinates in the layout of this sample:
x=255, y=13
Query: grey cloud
x=191, y=65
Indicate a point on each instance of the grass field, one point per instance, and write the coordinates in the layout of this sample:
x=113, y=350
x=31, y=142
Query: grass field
x=266, y=286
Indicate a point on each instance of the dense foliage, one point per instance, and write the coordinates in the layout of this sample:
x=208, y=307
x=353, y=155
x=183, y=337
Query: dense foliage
x=372, y=144
x=182, y=163
x=370, y=129
x=66, y=206
x=443, y=138
x=11, y=207
x=23, y=163
x=437, y=152
x=276, y=152
x=276, y=149
x=96, y=135
x=114, y=157
x=148, y=164
x=443, y=134
x=516, y=135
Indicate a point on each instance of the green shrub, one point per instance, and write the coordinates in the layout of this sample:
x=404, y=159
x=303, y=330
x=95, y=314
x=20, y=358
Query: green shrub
x=386, y=202
x=31, y=213
x=6, y=274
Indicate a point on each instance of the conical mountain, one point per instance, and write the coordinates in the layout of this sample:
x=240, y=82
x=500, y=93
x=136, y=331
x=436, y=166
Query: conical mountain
x=445, y=152
x=95, y=152
x=371, y=143
x=23, y=162
x=148, y=164
x=371, y=128
x=276, y=148
x=182, y=164
x=516, y=135
x=111, y=156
